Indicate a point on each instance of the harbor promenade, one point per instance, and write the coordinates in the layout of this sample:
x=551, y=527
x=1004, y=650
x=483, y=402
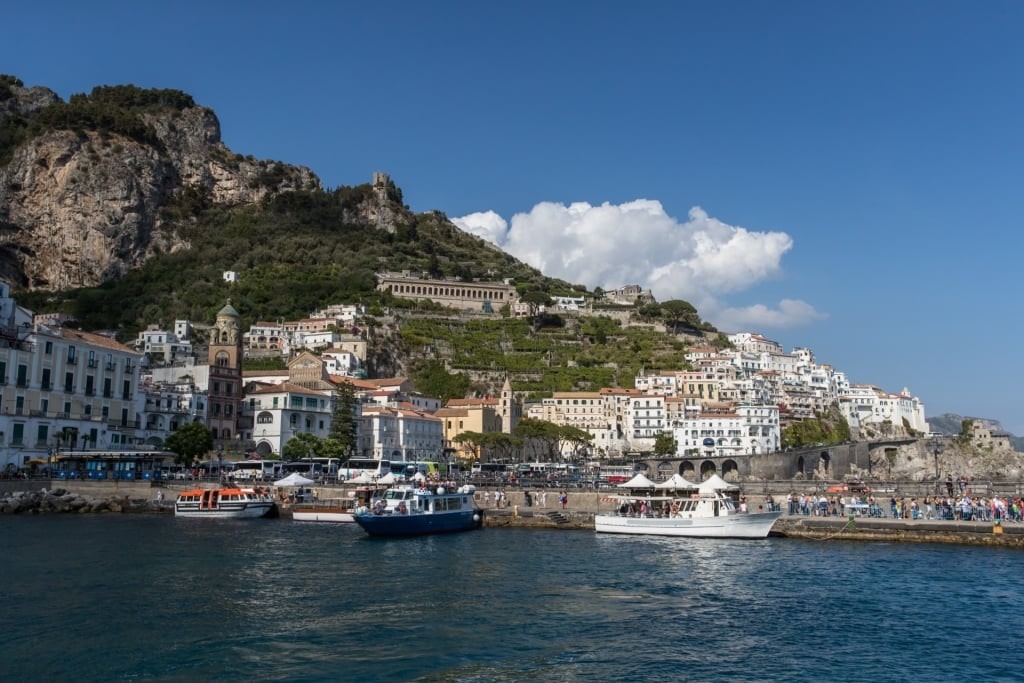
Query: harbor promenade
x=547, y=511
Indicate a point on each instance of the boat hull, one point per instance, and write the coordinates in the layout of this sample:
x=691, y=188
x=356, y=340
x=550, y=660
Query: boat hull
x=338, y=516
x=246, y=511
x=742, y=525
x=418, y=525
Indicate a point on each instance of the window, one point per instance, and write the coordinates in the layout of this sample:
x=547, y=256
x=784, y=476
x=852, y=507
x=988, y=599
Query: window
x=90, y=390
x=45, y=383
x=42, y=433
x=126, y=390
x=107, y=391
x=264, y=418
x=69, y=382
x=72, y=358
x=3, y=372
x=48, y=348
x=17, y=434
x=22, y=375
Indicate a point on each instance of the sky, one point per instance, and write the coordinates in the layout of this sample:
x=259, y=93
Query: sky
x=844, y=177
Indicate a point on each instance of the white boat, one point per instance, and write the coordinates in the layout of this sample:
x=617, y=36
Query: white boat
x=706, y=514
x=225, y=503
x=337, y=510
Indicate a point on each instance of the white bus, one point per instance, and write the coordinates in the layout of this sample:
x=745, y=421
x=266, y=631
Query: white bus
x=256, y=470
x=370, y=467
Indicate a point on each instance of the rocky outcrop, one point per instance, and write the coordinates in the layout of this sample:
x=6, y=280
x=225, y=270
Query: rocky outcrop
x=79, y=207
x=60, y=500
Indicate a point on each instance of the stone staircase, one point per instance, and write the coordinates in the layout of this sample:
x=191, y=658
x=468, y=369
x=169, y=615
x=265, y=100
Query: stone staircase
x=557, y=517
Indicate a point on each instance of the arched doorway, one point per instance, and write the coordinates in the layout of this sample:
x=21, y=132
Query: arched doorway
x=263, y=449
x=707, y=468
x=730, y=470
x=687, y=470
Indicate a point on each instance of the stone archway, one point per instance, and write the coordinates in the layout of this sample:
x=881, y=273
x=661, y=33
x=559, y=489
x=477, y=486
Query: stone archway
x=687, y=470
x=800, y=466
x=264, y=448
x=730, y=470
x=707, y=468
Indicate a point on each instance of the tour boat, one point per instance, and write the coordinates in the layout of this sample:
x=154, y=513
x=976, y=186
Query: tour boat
x=706, y=514
x=338, y=510
x=225, y=503
x=412, y=511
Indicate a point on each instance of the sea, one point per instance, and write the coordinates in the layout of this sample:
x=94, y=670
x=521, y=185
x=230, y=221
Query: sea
x=138, y=598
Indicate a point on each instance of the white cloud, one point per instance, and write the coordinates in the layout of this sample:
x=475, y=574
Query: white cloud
x=612, y=245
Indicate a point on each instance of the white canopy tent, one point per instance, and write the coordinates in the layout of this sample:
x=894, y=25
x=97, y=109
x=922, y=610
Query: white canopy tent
x=716, y=483
x=676, y=481
x=388, y=479
x=294, y=479
x=363, y=478
x=640, y=481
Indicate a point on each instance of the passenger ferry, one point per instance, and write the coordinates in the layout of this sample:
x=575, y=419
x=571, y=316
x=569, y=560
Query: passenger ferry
x=225, y=503
x=709, y=513
x=412, y=511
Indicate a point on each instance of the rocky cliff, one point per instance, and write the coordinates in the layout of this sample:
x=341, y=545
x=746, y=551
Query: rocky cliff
x=81, y=204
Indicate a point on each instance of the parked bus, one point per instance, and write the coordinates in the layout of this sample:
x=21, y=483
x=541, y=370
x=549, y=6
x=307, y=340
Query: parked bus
x=329, y=466
x=489, y=469
x=370, y=467
x=614, y=474
x=257, y=470
x=307, y=468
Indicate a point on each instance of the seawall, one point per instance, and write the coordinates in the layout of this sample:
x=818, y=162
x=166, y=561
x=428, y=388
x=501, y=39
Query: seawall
x=1007, y=535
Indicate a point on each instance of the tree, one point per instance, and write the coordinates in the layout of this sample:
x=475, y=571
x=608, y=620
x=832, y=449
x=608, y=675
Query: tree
x=677, y=311
x=576, y=438
x=344, y=428
x=190, y=441
x=302, y=445
x=539, y=433
x=434, y=380
x=664, y=444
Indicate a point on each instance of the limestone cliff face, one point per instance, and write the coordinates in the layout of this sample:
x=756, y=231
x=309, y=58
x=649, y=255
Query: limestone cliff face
x=81, y=207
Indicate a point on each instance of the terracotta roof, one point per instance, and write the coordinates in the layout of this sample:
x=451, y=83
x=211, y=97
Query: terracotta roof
x=96, y=340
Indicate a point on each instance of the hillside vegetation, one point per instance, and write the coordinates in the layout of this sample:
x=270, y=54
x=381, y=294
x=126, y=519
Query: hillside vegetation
x=298, y=250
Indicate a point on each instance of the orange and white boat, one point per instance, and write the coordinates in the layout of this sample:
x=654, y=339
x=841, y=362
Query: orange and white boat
x=226, y=503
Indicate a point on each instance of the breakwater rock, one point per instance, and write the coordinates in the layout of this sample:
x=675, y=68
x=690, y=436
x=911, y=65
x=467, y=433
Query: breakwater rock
x=61, y=501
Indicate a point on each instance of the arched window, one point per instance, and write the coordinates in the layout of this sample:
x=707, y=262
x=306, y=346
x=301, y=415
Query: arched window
x=265, y=418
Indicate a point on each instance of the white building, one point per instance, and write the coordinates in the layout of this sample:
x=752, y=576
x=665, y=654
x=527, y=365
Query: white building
x=282, y=411
x=397, y=434
x=162, y=346
x=726, y=431
x=62, y=388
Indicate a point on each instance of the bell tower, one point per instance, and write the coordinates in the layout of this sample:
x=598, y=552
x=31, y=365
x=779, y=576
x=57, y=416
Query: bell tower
x=225, y=389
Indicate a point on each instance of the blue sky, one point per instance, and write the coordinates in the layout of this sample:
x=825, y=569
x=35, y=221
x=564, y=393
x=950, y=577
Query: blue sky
x=839, y=176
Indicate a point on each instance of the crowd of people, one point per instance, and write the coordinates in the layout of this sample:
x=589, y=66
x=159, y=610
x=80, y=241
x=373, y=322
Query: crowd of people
x=961, y=507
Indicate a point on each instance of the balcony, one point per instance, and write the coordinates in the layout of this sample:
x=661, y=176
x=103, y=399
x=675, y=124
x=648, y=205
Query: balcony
x=93, y=363
x=46, y=386
x=109, y=367
x=72, y=360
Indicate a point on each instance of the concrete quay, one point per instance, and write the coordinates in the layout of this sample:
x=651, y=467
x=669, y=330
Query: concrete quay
x=1008, y=535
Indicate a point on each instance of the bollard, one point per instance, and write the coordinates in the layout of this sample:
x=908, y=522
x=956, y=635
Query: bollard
x=515, y=510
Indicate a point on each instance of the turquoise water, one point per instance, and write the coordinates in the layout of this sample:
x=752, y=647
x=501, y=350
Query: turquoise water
x=113, y=598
